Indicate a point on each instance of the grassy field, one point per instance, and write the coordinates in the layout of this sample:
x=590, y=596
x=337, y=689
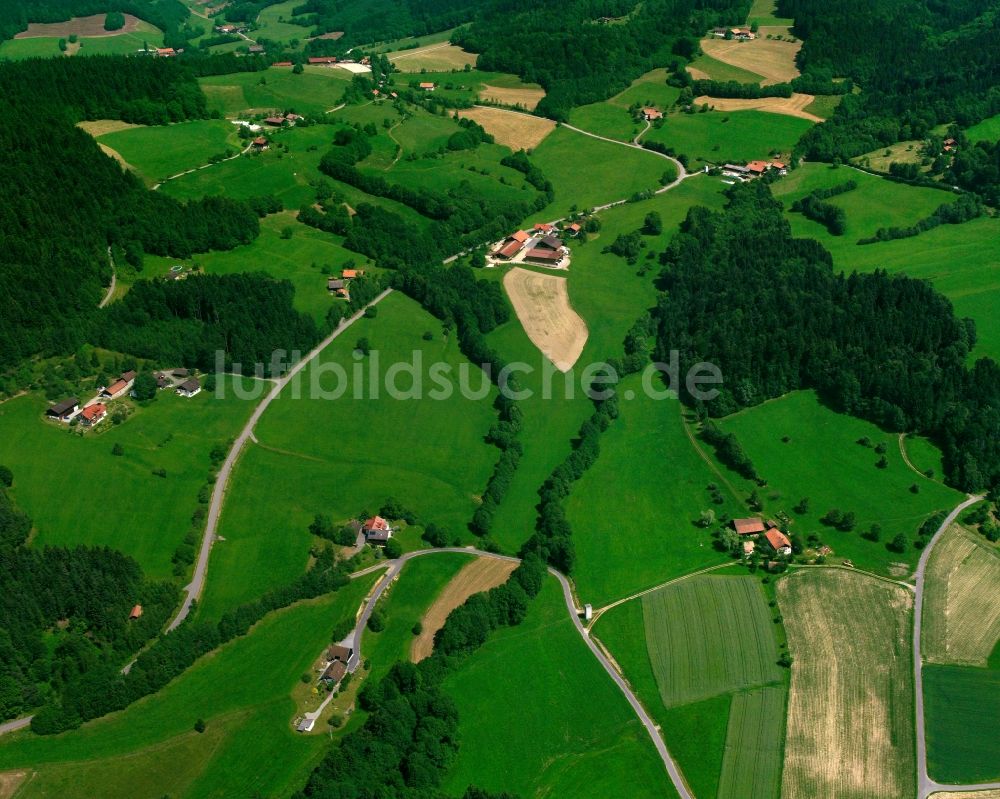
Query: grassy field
x=611, y=118
x=634, y=512
x=754, y=744
x=315, y=91
x=440, y=56
x=924, y=455
x=572, y=733
x=117, y=501
x=850, y=710
x=719, y=136
x=822, y=461
x=712, y=69
x=987, y=130
x=961, y=622
x=586, y=172
x=961, y=260
x=150, y=749
x=161, y=151
x=709, y=635
x=609, y=296
x=824, y=106
x=305, y=259
x=271, y=24
x=763, y=13
x=145, y=34
x=342, y=457
x=963, y=723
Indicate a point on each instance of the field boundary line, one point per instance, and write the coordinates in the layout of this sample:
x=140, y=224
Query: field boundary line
x=882, y=577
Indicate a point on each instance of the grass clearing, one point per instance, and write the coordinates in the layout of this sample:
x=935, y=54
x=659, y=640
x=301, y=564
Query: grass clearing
x=315, y=91
x=903, y=152
x=160, y=151
x=763, y=13
x=572, y=734
x=439, y=57
x=481, y=574
x=961, y=623
x=341, y=457
x=850, y=711
x=542, y=305
x=772, y=59
x=718, y=136
x=517, y=131
x=98, y=490
x=794, y=106
x=272, y=24
x=710, y=635
x=754, y=744
x=824, y=106
x=963, y=723
x=823, y=461
x=987, y=130
x=247, y=721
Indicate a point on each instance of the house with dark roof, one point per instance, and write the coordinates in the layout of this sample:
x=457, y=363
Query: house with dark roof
x=260, y=143
x=335, y=284
x=189, y=387
x=65, y=410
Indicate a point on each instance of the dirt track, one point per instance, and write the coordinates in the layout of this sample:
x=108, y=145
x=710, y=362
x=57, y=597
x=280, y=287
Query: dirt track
x=517, y=131
x=541, y=303
x=480, y=575
x=793, y=106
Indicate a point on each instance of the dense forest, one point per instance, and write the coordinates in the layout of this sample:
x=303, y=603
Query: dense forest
x=64, y=614
x=919, y=64
x=583, y=52
x=886, y=348
x=364, y=21
x=66, y=202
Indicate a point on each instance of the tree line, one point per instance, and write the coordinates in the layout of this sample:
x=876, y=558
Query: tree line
x=966, y=208
x=883, y=347
x=831, y=216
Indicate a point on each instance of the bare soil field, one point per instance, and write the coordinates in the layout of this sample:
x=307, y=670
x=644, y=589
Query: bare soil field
x=517, y=131
x=434, y=58
x=541, y=303
x=961, y=611
x=91, y=27
x=850, y=726
x=101, y=127
x=698, y=74
x=525, y=97
x=774, y=59
x=793, y=106
x=10, y=781
x=480, y=575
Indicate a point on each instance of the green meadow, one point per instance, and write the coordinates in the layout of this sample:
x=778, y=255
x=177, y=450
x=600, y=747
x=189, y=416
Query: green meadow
x=150, y=749
x=822, y=461
x=117, y=501
x=960, y=260
x=315, y=91
x=763, y=13
x=611, y=117
x=460, y=84
x=345, y=456
x=272, y=24
x=306, y=258
x=586, y=172
x=963, y=723
x=987, y=130
x=702, y=656
x=118, y=44
x=539, y=717
x=158, y=152
x=610, y=296
x=719, y=136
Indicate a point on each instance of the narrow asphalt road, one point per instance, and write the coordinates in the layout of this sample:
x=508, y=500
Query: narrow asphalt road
x=925, y=785
x=194, y=588
x=114, y=281
x=394, y=568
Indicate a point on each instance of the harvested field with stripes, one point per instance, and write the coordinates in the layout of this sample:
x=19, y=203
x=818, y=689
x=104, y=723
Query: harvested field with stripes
x=709, y=635
x=751, y=768
x=774, y=59
x=961, y=623
x=850, y=731
x=514, y=130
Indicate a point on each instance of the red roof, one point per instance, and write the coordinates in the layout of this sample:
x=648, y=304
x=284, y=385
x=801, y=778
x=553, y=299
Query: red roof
x=545, y=227
x=376, y=524
x=275, y=121
x=538, y=254
x=574, y=227
x=282, y=64
x=94, y=412
x=510, y=249
x=349, y=273
x=778, y=164
x=165, y=51
x=777, y=539
x=260, y=141
x=116, y=387
x=757, y=166
x=326, y=59
x=520, y=236
x=748, y=526
x=426, y=85
x=652, y=113
x=136, y=612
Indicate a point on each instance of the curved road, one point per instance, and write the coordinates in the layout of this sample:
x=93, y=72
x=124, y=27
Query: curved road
x=194, y=588
x=925, y=785
x=394, y=568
